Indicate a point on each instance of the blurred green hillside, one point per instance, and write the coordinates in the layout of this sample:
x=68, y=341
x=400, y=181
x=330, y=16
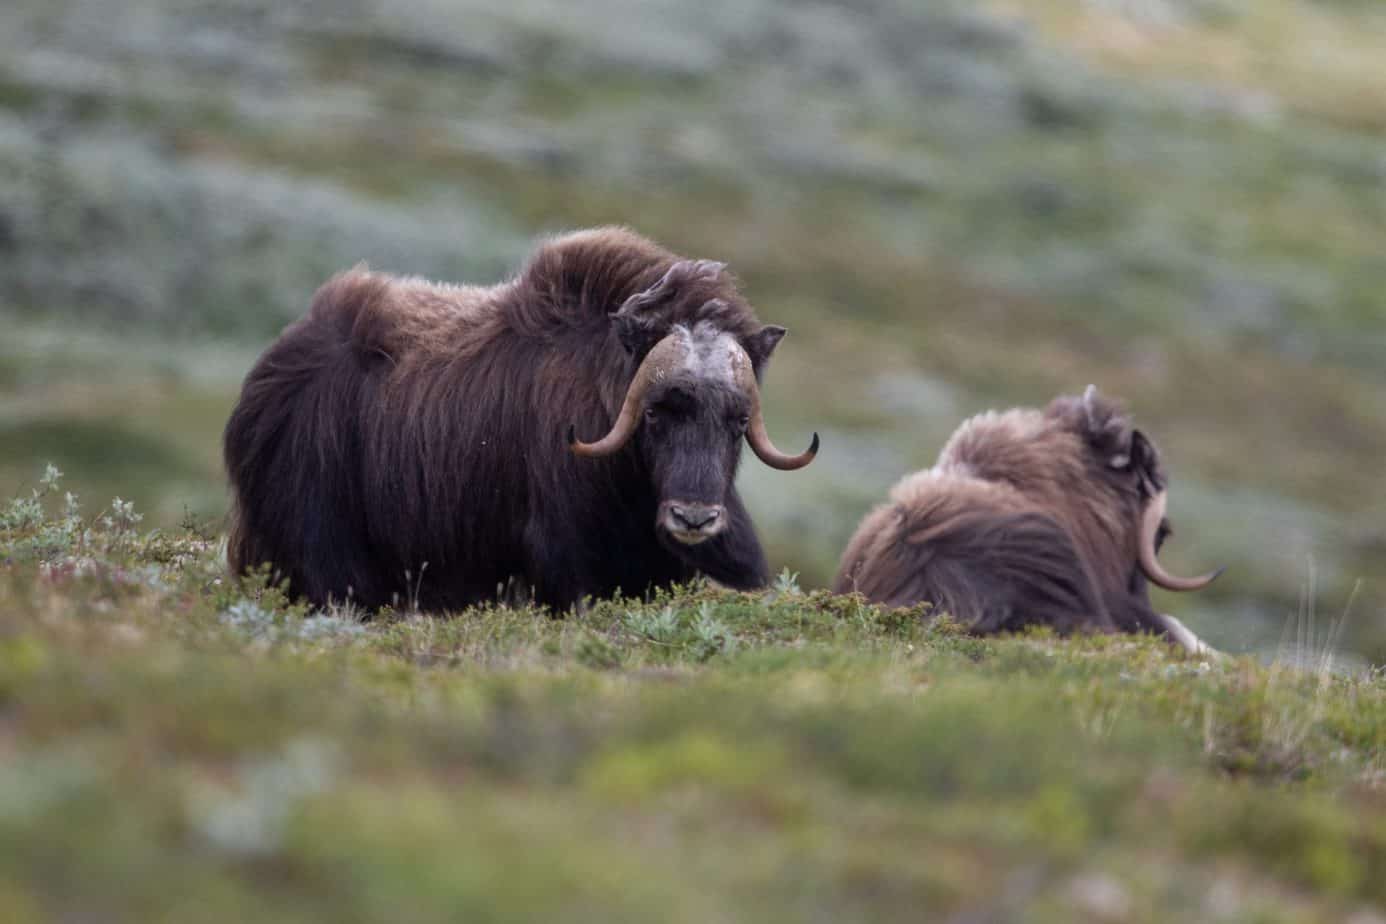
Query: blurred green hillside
x=953, y=206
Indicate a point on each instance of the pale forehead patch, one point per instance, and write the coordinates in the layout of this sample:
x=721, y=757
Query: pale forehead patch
x=712, y=354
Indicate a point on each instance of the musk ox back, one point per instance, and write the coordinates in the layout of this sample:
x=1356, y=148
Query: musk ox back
x=410, y=441
x=1030, y=517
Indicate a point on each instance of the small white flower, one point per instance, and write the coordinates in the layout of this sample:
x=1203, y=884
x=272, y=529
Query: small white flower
x=51, y=476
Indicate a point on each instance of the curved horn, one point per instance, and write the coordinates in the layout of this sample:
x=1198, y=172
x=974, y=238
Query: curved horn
x=760, y=444
x=756, y=435
x=664, y=354
x=1150, y=528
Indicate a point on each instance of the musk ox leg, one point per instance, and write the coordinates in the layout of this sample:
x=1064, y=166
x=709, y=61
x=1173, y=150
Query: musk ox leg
x=555, y=570
x=993, y=572
x=307, y=536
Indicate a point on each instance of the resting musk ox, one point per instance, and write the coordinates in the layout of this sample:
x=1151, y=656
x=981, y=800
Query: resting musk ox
x=1030, y=517
x=415, y=442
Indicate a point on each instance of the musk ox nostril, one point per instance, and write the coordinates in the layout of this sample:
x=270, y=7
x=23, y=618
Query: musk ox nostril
x=695, y=516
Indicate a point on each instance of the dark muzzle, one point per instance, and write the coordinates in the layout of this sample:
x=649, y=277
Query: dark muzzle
x=691, y=523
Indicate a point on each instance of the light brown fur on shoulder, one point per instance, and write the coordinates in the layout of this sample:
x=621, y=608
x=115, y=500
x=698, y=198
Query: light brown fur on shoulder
x=573, y=280
x=1046, y=461
x=401, y=317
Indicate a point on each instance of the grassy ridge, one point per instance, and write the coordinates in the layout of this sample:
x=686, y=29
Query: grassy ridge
x=176, y=746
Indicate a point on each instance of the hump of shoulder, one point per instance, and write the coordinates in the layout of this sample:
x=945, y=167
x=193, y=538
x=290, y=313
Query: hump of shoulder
x=380, y=313
x=348, y=298
x=584, y=276
x=993, y=442
x=593, y=271
x=931, y=499
x=377, y=314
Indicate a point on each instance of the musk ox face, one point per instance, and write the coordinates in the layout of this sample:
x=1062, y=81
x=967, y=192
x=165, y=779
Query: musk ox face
x=699, y=405
x=694, y=396
x=692, y=400
x=1129, y=464
x=690, y=437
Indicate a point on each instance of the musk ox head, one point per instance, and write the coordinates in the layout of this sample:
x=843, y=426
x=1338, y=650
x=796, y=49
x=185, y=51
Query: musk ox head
x=1128, y=462
x=694, y=396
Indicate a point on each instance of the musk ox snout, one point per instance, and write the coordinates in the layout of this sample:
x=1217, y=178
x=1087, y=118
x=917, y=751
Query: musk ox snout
x=692, y=523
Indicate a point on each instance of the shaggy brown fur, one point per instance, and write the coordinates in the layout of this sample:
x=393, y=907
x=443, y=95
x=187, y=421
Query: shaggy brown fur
x=408, y=439
x=1029, y=518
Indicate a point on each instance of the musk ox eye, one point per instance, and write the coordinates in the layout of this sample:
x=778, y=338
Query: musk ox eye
x=651, y=415
x=743, y=422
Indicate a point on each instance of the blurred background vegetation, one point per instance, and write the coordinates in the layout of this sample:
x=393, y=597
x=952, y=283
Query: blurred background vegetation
x=953, y=206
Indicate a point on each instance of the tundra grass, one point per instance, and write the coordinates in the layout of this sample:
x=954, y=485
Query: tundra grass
x=177, y=746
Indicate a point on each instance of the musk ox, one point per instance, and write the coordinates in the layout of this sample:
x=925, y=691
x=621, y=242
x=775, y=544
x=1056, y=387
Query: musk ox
x=408, y=441
x=1030, y=517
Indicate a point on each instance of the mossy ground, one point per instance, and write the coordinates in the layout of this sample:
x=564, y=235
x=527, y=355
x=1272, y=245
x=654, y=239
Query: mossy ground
x=177, y=747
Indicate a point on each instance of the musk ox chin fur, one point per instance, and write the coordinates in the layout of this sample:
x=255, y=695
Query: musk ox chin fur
x=1029, y=518
x=407, y=442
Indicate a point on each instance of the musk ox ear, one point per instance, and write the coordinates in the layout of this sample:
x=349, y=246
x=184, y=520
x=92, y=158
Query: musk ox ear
x=1105, y=428
x=1145, y=462
x=763, y=342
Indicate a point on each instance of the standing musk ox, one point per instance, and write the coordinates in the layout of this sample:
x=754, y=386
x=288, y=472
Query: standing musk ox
x=408, y=441
x=1049, y=518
